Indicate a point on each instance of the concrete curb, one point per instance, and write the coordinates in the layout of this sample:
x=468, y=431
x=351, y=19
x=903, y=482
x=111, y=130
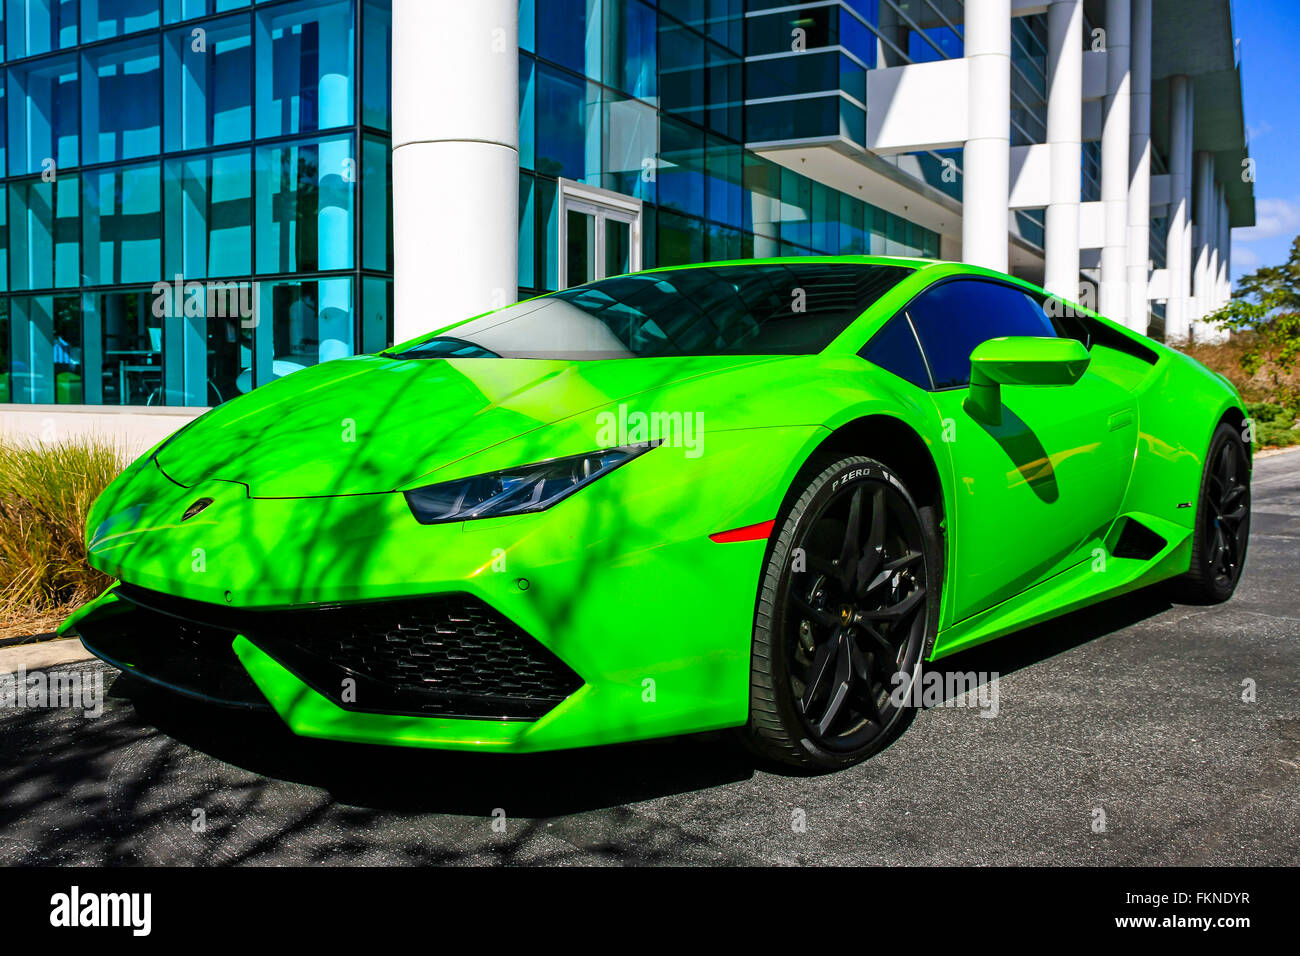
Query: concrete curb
x=1270, y=452
x=30, y=657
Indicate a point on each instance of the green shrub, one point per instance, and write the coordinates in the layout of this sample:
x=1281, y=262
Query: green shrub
x=1274, y=424
x=45, y=492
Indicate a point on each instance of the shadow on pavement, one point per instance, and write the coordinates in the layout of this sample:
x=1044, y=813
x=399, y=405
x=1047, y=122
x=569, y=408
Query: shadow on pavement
x=433, y=781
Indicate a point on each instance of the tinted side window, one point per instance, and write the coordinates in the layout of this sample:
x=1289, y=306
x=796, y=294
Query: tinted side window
x=954, y=317
x=894, y=349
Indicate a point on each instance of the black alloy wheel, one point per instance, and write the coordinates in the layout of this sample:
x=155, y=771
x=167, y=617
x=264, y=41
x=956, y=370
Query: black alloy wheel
x=848, y=603
x=1222, y=530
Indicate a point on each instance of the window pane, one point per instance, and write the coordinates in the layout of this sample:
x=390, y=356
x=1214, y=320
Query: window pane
x=123, y=225
x=44, y=250
x=304, y=205
x=631, y=149
x=681, y=171
x=176, y=10
x=229, y=349
x=33, y=349
x=954, y=317
x=568, y=126
x=527, y=232
x=376, y=227
x=305, y=67
x=376, y=81
x=4, y=245
x=681, y=71
x=631, y=48
x=120, y=99
x=46, y=363
x=101, y=19
x=527, y=111
x=208, y=92
x=571, y=34
x=209, y=206
x=39, y=26
x=67, y=352
x=131, y=343
x=894, y=349
x=6, y=364
x=580, y=233
x=376, y=314
x=43, y=103
x=311, y=321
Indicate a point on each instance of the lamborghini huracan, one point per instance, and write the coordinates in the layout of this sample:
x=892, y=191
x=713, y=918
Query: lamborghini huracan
x=752, y=495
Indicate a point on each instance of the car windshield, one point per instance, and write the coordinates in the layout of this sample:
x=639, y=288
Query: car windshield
x=794, y=308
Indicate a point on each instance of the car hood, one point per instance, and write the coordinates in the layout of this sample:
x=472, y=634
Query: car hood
x=371, y=423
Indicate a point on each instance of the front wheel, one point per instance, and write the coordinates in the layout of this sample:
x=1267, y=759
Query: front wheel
x=848, y=601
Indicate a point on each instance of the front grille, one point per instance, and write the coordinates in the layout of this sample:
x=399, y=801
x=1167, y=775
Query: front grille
x=193, y=659
x=450, y=655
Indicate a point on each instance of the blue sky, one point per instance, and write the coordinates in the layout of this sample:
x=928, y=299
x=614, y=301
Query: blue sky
x=1268, y=31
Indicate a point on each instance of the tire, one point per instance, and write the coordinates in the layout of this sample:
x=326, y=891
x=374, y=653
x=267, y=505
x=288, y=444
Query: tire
x=1222, y=530
x=837, y=644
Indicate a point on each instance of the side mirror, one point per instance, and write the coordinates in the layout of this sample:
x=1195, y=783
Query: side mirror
x=1020, y=360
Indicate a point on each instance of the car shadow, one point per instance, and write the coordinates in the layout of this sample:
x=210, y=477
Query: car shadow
x=440, y=781
x=561, y=782
x=1033, y=645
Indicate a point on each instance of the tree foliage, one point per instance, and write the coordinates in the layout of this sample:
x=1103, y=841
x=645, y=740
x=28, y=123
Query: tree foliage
x=1266, y=304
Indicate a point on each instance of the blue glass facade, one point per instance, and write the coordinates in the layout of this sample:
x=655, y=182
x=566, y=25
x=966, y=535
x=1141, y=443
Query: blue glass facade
x=194, y=195
x=654, y=100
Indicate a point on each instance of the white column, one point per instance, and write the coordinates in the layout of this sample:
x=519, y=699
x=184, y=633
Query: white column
x=986, y=158
x=1112, y=298
x=1178, y=242
x=1139, y=158
x=1203, y=213
x=1064, y=132
x=455, y=160
x=1225, y=243
x=1212, y=276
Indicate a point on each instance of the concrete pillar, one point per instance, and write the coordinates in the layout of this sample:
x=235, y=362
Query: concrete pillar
x=455, y=160
x=1112, y=297
x=1178, y=247
x=1139, y=158
x=1203, y=216
x=986, y=158
x=1225, y=244
x=1212, y=278
x=892, y=29
x=1064, y=134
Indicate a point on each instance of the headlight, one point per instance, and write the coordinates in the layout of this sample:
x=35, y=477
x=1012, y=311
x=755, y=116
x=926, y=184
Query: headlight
x=516, y=491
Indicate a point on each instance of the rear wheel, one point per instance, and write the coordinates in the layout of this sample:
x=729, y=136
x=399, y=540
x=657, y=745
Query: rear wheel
x=848, y=601
x=1222, y=521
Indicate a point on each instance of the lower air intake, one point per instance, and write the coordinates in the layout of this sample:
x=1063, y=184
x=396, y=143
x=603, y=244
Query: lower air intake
x=450, y=656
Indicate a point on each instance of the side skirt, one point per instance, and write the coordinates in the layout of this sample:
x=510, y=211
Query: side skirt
x=1086, y=583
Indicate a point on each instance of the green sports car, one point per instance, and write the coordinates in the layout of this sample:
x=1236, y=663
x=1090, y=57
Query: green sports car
x=749, y=495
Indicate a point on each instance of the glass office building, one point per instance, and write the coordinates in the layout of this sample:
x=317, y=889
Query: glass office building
x=650, y=101
x=236, y=152
x=196, y=194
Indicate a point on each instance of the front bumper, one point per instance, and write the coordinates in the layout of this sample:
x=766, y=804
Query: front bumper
x=619, y=588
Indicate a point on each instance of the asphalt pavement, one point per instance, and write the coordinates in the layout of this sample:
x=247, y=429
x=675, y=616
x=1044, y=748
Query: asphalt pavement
x=1136, y=732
